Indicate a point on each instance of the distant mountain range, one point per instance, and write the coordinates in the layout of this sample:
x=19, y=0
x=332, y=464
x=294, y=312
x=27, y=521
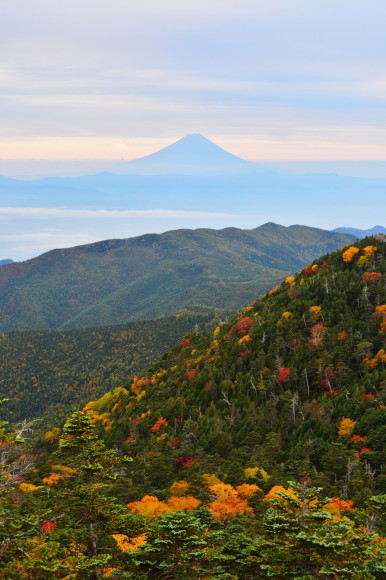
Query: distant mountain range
x=251, y=192
x=192, y=174
x=7, y=261
x=361, y=233
x=192, y=154
x=115, y=281
x=212, y=187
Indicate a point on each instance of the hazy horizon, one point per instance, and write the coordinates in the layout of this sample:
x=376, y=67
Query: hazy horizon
x=38, y=216
x=296, y=87
x=40, y=168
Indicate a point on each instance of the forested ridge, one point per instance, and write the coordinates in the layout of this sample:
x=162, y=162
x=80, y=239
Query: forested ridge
x=146, y=277
x=256, y=450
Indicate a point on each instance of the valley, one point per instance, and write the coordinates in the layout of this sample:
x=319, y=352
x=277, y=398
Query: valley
x=46, y=374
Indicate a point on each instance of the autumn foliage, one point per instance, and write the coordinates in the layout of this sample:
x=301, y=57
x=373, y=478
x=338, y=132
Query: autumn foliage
x=180, y=487
x=339, y=505
x=315, y=311
x=125, y=543
x=48, y=527
x=276, y=491
x=161, y=422
x=284, y=375
x=349, y=254
x=294, y=343
x=317, y=333
x=28, y=487
x=151, y=506
x=346, y=427
x=191, y=373
x=371, y=276
x=288, y=396
x=380, y=313
x=341, y=336
x=244, y=325
x=230, y=501
x=252, y=472
x=182, y=503
x=53, y=478
x=368, y=252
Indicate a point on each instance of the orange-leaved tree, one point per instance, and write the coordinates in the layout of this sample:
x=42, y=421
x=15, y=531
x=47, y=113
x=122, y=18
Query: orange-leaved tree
x=230, y=501
x=348, y=255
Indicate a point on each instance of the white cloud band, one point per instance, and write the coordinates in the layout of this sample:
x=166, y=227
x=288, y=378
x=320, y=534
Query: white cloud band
x=58, y=212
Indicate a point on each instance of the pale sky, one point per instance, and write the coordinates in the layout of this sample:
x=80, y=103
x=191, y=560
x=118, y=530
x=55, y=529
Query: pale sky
x=267, y=80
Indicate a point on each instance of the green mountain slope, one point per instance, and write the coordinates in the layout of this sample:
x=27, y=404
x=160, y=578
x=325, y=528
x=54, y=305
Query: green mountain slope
x=50, y=372
x=254, y=451
x=271, y=387
x=115, y=281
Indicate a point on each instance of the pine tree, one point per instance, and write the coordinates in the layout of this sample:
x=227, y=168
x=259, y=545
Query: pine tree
x=87, y=513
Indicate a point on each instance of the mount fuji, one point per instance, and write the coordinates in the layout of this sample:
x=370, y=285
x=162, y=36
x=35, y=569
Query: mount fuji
x=192, y=155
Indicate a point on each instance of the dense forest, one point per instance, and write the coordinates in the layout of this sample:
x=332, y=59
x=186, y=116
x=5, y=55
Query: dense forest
x=50, y=372
x=255, y=450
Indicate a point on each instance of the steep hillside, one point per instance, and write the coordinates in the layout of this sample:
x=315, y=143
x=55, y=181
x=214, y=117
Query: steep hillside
x=50, y=373
x=272, y=387
x=255, y=451
x=115, y=281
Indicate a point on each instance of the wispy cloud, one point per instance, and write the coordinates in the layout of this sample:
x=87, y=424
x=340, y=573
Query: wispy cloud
x=105, y=214
x=44, y=237
x=28, y=232
x=127, y=70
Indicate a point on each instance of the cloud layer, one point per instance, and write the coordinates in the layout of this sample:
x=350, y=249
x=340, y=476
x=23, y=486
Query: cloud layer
x=28, y=232
x=278, y=79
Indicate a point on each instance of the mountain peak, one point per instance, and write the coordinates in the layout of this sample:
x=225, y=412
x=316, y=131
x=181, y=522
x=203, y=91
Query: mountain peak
x=194, y=137
x=192, y=154
x=192, y=148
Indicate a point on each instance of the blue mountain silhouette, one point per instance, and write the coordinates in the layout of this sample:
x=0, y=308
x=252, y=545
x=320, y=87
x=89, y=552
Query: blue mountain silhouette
x=192, y=155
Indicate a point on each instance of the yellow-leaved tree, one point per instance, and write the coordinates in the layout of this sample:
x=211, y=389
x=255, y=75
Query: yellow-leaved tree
x=346, y=427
